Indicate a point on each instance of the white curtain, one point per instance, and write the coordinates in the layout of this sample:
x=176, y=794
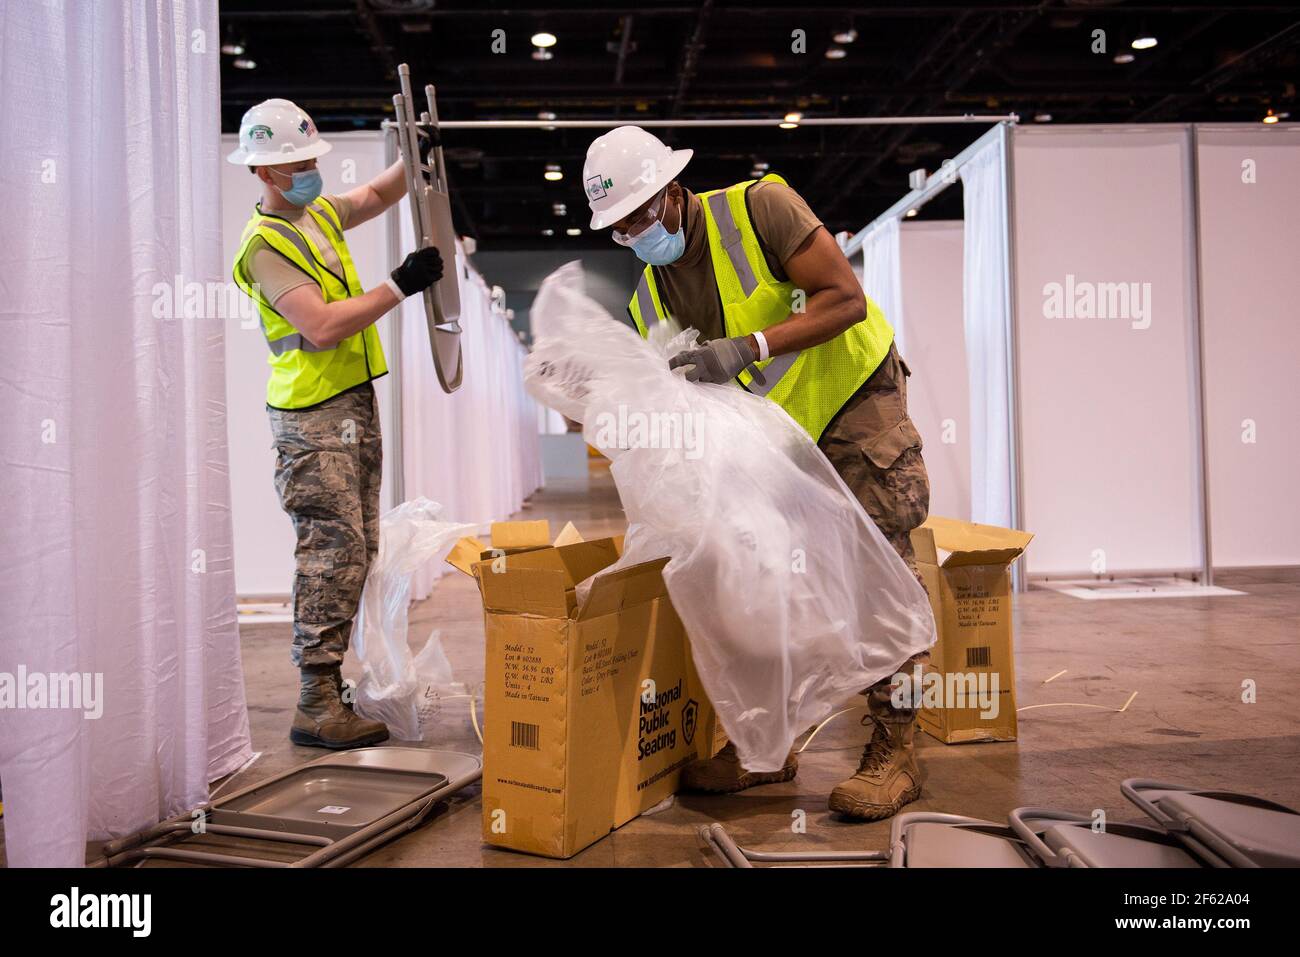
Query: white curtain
x=882, y=277
x=115, y=550
x=476, y=451
x=988, y=334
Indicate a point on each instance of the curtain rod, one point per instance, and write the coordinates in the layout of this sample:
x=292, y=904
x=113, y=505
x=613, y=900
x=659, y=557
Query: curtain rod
x=807, y=121
x=935, y=184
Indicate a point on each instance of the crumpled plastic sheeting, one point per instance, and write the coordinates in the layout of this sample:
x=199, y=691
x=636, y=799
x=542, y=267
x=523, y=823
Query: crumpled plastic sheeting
x=792, y=597
x=397, y=688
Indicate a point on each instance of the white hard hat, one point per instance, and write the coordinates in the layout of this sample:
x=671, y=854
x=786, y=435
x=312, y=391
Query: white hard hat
x=277, y=131
x=624, y=168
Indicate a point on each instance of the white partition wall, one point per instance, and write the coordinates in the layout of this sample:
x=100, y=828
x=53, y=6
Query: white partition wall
x=1106, y=326
x=1249, y=192
x=937, y=392
x=477, y=451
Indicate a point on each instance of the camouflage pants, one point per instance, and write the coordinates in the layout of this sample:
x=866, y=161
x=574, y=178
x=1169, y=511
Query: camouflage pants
x=876, y=449
x=327, y=471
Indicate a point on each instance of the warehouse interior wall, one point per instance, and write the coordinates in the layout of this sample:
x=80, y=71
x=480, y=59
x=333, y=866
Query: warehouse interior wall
x=938, y=396
x=117, y=539
x=1108, y=397
x=1249, y=205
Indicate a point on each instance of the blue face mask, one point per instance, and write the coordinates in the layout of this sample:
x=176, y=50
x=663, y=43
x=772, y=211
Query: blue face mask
x=307, y=185
x=658, y=247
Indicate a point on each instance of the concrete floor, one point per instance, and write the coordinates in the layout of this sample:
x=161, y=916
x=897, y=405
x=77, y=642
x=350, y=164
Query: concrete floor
x=1186, y=658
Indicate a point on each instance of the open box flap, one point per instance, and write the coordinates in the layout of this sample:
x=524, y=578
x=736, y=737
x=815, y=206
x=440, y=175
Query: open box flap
x=465, y=554
x=576, y=562
x=521, y=534
x=624, y=588
x=949, y=542
x=526, y=591
x=569, y=535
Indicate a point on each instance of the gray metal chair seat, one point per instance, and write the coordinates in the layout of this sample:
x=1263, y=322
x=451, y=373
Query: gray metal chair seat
x=927, y=839
x=1227, y=828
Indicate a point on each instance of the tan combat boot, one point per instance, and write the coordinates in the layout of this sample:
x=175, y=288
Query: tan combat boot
x=722, y=773
x=887, y=777
x=324, y=721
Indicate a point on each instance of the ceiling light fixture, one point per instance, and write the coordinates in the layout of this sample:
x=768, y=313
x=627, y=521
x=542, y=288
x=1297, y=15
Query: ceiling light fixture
x=910, y=213
x=1144, y=42
x=546, y=115
x=232, y=48
x=1124, y=58
x=1270, y=117
x=243, y=63
x=836, y=53
x=542, y=54
x=543, y=39
x=845, y=36
x=1042, y=117
x=573, y=231
x=548, y=232
x=553, y=173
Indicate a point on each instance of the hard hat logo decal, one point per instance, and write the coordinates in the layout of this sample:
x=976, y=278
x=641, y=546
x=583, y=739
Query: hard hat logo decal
x=597, y=185
x=305, y=127
x=260, y=134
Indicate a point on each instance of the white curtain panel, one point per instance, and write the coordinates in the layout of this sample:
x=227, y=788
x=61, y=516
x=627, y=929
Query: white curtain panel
x=882, y=277
x=115, y=551
x=988, y=335
x=476, y=451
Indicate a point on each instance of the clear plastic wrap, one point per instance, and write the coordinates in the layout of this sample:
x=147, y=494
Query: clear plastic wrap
x=395, y=687
x=792, y=598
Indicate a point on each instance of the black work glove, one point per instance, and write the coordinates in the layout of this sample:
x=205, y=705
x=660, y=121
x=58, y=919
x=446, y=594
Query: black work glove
x=718, y=360
x=420, y=270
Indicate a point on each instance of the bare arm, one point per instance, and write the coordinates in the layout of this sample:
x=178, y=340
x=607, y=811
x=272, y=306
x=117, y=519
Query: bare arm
x=327, y=324
x=372, y=198
x=834, y=297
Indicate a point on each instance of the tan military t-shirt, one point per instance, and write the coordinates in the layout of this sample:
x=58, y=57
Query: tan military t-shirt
x=275, y=274
x=783, y=222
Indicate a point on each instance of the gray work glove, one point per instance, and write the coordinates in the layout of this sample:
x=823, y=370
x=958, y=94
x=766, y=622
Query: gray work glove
x=718, y=360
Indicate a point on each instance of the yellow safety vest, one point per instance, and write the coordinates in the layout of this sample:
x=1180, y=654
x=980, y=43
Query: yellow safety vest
x=811, y=385
x=303, y=374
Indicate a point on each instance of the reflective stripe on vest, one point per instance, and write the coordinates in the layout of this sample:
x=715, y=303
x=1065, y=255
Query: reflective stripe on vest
x=731, y=241
x=811, y=385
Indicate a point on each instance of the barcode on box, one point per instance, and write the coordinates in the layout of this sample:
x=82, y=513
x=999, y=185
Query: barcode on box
x=980, y=657
x=523, y=735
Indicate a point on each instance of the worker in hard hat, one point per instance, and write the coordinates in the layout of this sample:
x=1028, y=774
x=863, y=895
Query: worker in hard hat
x=767, y=287
x=325, y=352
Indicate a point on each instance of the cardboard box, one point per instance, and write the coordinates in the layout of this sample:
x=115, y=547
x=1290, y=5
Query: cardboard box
x=573, y=746
x=969, y=688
